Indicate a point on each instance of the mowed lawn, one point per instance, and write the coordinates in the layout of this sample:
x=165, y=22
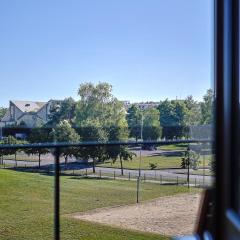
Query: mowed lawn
x=26, y=206
x=159, y=161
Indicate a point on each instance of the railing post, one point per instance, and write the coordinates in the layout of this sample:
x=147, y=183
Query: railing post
x=57, y=196
x=129, y=176
x=114, y=176
x=177, y=180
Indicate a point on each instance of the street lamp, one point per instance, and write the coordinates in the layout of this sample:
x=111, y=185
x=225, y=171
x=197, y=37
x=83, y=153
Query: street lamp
x=140, y=160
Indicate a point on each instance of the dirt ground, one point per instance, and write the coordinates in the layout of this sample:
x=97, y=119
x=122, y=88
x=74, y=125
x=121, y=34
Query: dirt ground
x=171, y=216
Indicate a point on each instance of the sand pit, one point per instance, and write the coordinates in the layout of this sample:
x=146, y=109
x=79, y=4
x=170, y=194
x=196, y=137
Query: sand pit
x=172, y=216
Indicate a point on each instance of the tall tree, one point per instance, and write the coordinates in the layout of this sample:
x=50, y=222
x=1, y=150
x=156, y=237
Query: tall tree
x=207, y=107
x=173, y=118
x=63, y=132
x=63, y=111
x=105, y=116
x=134, y=121
x=92, y=131
x=2, y=112
x=193, y=116
x=10, y=140
x=38, y=135
x=151, y=124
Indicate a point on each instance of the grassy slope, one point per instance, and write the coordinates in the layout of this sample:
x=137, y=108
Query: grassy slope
x=26, y=206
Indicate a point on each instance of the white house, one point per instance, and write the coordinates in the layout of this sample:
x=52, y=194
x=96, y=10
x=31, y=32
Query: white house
x=27, y=113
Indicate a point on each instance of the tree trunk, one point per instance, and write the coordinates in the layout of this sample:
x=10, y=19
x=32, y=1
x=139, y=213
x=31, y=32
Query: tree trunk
x=121, y=166
x=94, y=162
x=66, y=158
x=39, y=160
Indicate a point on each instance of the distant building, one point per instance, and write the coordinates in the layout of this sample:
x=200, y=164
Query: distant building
x=126, y=104
x=27, y=113
x=147, y=105
x=141, y=105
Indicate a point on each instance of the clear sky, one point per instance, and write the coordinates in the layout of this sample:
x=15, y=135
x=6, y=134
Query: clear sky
x=147, y=49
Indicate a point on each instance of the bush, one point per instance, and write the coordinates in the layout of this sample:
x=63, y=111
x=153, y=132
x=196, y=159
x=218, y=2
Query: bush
x=152, y=166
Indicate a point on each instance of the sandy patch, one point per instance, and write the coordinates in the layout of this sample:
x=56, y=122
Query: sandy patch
x=172, y=216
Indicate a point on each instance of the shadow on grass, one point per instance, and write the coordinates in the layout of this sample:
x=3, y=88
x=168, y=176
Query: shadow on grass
x=49, y=169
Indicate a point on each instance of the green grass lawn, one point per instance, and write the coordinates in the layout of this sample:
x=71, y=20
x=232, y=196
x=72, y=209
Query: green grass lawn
x=26, y=206
x=172, y=147
x=159, y=161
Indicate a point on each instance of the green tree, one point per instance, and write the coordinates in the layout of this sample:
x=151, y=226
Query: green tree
x=190, y=160
x=151, y=124
x=193, y=116
x=93, y=132
x=38, y=135
x=63, y=132
x=125, y=154
x=173, y=116
x=10, y=140
x=63, y=111
x=2, y=112
x=134, y=121
x=207, y=107
x=104, y=118
x=96, y=104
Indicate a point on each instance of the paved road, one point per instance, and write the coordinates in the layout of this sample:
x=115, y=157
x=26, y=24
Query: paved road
x=48, y=161
x=164, y=173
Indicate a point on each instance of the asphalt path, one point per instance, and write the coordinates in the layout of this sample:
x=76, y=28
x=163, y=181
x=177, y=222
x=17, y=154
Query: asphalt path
x=48, y=162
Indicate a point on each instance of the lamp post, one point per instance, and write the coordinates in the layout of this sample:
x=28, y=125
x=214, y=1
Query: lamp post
x=140, y=157
x=140, y=160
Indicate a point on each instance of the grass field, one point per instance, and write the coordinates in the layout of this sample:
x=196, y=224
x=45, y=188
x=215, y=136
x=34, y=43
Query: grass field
x=26, y=206
x=174, y=147
x=159, y=161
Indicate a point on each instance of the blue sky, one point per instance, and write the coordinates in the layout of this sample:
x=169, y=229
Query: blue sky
x=147, y=49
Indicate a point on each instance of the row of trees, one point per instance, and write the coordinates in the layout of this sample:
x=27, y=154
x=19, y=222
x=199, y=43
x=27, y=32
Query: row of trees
x=98, y=107
x=98, y=116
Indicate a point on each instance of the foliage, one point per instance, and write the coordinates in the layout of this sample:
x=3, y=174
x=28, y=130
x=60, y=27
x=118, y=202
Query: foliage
x=151, y=124
x=193, y=114
x=152, y=166
x=10, y=140
x=134, y=121
x=190, y=159
x=173, y=114
x=101, y=117
x=2, y=112
x=63, y=132
x=207, y=107
x=93, y=132
x=38, y=135
x=63, y=111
